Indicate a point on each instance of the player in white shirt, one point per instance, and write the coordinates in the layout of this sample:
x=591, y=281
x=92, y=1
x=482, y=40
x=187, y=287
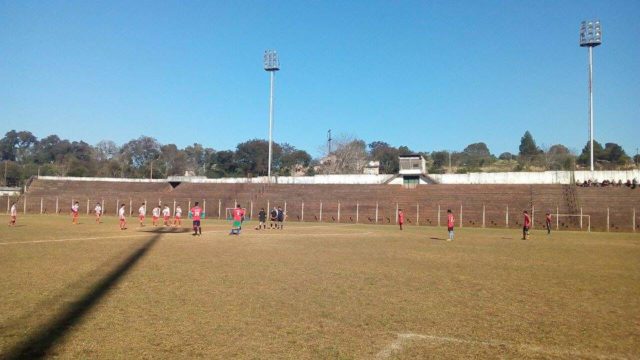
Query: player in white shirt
x=98, y=211
x=75, y=212
x=166, y=215
x=155, y=215
x=123, y=219
x=142, y=211
x=177, y=221
x=14, y=215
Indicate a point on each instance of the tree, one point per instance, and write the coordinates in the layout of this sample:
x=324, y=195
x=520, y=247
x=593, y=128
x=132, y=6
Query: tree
x=387, y=156
x=558, y=157
x=506, y=156
x=292, y=160
x=252, y=157
x=615, y=154
x=585, y=155
x=528, y=147
x=350, y=157
x=476, y=155
x=139, y=153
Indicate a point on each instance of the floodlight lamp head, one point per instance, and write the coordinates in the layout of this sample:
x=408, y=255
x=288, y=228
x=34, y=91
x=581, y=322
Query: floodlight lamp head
x=271, y=62
x=590, y=33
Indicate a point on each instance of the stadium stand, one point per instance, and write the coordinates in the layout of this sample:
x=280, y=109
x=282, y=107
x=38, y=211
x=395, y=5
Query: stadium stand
x=473, y=205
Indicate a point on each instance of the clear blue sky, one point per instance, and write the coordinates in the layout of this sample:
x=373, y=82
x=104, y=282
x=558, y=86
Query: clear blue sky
x=431, y=75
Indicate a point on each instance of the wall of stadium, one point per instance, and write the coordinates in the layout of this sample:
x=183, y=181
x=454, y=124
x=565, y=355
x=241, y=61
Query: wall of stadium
x=546, y=177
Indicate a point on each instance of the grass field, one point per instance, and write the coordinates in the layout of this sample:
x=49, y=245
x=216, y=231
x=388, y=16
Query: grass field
x=317, y=291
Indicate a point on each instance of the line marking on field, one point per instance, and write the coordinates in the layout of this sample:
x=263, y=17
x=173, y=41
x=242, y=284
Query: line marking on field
x=403, y=339
x=168, y=233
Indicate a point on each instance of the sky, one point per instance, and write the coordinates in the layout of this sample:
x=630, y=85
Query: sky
x=430, y=75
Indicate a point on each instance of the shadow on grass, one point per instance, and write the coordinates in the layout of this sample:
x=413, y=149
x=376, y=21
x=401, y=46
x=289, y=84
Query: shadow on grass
x=437, y=238
x=37, y=345
x=165, y=230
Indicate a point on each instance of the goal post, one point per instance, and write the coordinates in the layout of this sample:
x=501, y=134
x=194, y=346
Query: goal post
x=581, y=217
x=228, y=214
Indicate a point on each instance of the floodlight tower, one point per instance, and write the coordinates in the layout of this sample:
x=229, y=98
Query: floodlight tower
x=590, y=36
x=271, y=64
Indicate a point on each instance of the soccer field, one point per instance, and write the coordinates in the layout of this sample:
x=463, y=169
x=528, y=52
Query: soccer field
x=318, y=291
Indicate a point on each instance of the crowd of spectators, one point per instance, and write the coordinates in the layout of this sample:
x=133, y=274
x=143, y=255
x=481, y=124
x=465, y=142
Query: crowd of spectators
x=605, y=183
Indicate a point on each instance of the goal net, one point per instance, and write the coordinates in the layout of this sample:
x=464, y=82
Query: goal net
x=229, y=214
x=583, y=221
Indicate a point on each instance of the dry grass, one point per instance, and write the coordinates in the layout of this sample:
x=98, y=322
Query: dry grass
x=316, y=291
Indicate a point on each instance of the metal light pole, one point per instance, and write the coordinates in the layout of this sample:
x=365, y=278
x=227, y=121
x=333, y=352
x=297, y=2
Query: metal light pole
x=590, y=36
x=271, y=64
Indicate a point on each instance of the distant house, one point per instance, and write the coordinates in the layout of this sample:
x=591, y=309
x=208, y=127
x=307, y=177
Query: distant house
x=372, y=168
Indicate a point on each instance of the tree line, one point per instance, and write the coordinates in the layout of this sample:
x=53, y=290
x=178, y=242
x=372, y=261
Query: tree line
x=24, y=155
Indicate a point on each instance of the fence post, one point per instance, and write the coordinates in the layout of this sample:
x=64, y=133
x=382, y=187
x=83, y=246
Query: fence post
x=25, y=204
x=269, y=209
x=9, y=204
x=396, y=213
x=607, y=219
x=418, y=214
x=338, y=211
x=507, y=217
x=285, y=208
x=117, y=202
x=130, y=207
x=57, y=199
x=376, y=212
x=87, y=206
x=358, y=212
x=42, y=203
x=320, y=211
x=204, y=207
x=189, y=205
x=174, y=207
x=103, y=209
x=219, y=208
x=251, y=211
x=533, y=214
x=438, y=215
x=461, y=216
x=302, y=212
x=483, y=215
x=557, y=218
x=634, y=220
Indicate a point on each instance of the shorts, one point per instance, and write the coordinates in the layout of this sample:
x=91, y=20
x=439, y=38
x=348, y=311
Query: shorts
x=237, y=223
x=141, y=217
x=98, y=214
x=525, y=228
x=75, y=214
x=155, y=218
x=166, y=218
x=196, y=222
x=122, y=219
x=450, y=228
x=177, y=217
x=13, y=218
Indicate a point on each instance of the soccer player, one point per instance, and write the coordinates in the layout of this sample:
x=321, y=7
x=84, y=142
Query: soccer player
x=13, y=214
x=177, y=221
x=527, y=224
x=262, y=218
x=547, y=221
x=280, y=218
x=123, y=219
x=166, y=215
x=237, y=215
x=196, y=212
x=98, y=211
x=155, y=215
x=273, y=217
x=400, y=218
x=75, y=213
x=142, y=212
x=450, y=223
